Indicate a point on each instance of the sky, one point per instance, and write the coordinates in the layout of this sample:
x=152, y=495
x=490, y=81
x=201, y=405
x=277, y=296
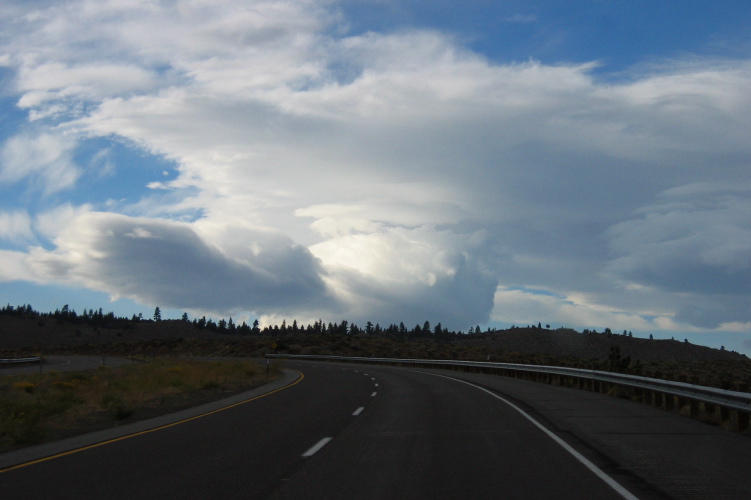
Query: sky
x=579, y=163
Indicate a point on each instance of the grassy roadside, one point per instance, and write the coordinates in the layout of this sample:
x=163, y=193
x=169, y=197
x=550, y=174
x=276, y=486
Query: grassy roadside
x=44, y=407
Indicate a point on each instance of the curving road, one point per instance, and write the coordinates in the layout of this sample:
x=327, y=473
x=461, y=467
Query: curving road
x=353, y=431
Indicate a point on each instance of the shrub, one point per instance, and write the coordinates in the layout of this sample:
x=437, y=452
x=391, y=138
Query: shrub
x=25, y=386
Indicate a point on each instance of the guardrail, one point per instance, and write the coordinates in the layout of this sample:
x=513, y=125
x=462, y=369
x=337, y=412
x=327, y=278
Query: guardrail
x=667, y=394
x=18, y=361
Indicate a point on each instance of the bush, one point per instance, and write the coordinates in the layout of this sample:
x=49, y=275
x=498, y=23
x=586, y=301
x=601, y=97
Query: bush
x=35, y=407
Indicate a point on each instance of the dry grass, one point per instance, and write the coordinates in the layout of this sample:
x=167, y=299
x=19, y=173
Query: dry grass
x=35, y=408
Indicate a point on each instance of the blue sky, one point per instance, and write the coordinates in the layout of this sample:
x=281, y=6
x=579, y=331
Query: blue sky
x=618, y=34
x=578, y=163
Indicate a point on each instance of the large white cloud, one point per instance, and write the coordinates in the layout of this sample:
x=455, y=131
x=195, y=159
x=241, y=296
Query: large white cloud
x=403, y=176
x=169, y=263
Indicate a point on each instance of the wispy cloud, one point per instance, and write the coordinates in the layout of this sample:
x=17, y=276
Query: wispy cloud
x=44, y=158
x=520, y=18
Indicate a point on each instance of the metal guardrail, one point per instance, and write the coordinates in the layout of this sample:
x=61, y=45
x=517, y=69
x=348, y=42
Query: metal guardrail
x=18, y=361
x=734, y=400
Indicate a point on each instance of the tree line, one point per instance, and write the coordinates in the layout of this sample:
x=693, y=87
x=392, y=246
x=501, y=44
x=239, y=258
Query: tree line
x=98, y=318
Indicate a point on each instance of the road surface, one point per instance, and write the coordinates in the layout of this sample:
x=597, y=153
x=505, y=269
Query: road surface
x=348, y=431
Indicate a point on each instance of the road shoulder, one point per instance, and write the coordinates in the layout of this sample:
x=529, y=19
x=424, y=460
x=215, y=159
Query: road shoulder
x=38, y=452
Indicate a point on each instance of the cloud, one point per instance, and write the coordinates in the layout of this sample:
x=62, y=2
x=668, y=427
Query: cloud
x=688, y=243
x=13, y=266
x=45, y=158
x=410, y=275
x=697, y=242
x=56, y=81
x=529, y=307
x=380, y=176
x=520, y=18
x=16, y=226
x=51, y=223
x=170, y=264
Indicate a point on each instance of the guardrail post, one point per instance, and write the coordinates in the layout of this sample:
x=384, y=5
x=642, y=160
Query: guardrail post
x=669, y=402
x=682, y=401
x=743, y=417
x=693, y=402
x=743, y=421
x=724, y=411
x=658, y=400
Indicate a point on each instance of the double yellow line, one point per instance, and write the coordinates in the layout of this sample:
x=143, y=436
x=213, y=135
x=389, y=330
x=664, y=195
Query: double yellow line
x=165, y=426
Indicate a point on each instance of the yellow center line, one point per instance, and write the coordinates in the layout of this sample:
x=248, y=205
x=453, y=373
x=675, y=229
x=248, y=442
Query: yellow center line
x=165, y=426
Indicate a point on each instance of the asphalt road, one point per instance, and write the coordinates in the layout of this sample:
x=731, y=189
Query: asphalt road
x=350, y=432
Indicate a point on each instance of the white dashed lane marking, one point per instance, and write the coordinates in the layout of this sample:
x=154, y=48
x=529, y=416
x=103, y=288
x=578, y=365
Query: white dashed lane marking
x=320, y=444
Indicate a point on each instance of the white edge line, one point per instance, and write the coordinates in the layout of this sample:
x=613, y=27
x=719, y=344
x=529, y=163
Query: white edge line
x=373, y=394
x=320, y=444
x=596, y=470
x=358, y=411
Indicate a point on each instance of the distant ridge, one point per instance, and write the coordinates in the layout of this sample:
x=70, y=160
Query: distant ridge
x=570, y=343
x=26, y=332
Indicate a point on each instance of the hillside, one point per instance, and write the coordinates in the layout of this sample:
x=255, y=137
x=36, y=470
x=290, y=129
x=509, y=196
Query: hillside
x=27, y=332
x=23, y=334
x=569, y=343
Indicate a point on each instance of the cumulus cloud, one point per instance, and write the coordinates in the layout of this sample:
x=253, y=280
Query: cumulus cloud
x=410, y=274
x=168, y=263
x=385, y=176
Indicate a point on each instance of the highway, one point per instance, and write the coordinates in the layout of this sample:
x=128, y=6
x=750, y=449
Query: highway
x=346, y=431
